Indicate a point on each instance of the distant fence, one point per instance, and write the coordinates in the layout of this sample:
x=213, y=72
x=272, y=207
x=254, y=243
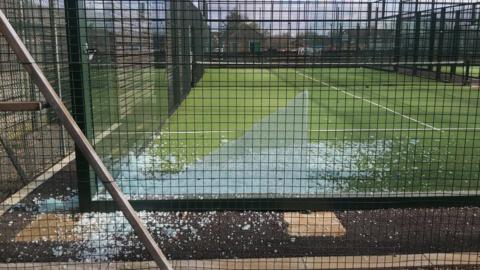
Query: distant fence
x=186, y=33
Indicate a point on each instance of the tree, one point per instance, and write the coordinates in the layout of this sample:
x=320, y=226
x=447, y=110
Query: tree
x=311, y=39
x=235, y=21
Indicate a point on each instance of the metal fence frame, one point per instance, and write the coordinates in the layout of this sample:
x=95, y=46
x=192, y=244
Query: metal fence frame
x=178, y=70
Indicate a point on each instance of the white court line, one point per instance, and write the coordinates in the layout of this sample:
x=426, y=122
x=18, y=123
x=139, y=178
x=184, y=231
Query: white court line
x=106, y=133
x=177, y=132
x=197, y=132
x=371, y=102
x=311, y=130
x=460, y=129
x=392, y=129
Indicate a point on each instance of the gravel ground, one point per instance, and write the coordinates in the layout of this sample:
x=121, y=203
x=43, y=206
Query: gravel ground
x=186, y=235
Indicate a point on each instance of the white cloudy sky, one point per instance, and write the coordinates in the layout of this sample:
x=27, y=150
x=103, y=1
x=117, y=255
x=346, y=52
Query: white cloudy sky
x=304, y=14
x=315, y=15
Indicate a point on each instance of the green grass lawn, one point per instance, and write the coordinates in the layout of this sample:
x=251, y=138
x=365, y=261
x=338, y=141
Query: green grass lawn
x=427, y=127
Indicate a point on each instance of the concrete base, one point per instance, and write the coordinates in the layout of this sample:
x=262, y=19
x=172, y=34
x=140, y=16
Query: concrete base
x=49, y=227
x=314, y=224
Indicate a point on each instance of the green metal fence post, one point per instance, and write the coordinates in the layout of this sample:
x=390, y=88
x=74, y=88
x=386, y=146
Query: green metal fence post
x=369, y=25
x=340, y=37
x=431, y=46
x=398, y=34
x=416, y=41
x=357, y=39
x=375, y=34
x=456, y=44
x=441, y=36
x=466, y=74
x=474, y=13
x=79, y=84
x=332, y=36
x=383, y=8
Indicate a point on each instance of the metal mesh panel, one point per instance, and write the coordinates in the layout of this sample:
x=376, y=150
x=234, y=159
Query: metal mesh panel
x=266, y=134
x=31, y=142
x=311, y=100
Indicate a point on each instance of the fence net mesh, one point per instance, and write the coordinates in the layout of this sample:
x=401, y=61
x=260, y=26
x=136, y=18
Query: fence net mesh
x=249, y=134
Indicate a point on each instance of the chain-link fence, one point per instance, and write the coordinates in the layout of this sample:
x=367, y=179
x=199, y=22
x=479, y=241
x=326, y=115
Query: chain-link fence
x=266, y=134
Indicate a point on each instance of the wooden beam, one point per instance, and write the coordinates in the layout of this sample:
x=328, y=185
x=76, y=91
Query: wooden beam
x=35, y=183
x=81, y=141
x=21, y=106
x=396, y=261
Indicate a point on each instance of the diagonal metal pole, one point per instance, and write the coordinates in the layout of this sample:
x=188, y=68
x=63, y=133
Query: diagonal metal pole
x=81, y=141
x=13, y=158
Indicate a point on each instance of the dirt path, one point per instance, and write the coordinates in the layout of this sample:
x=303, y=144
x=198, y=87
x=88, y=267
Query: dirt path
x=186, y=235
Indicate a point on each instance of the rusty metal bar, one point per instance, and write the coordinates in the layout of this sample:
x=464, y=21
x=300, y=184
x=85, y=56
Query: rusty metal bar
x=21, y=106
x=4, y=141
x=81, y=141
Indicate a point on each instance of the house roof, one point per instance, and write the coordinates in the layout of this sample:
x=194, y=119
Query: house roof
x=245, y=31
x=366, y=32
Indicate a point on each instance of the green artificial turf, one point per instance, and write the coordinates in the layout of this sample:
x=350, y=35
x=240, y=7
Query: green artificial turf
x=130, y=104
x=424, y=122
x=430, y=125
x=427, y=127
x=222, y=107
x=473, y=71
